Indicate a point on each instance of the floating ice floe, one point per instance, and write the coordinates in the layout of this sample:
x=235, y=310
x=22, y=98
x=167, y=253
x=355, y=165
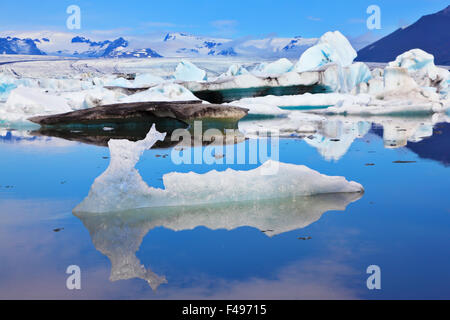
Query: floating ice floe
x=187, y=71
x=332, y=47
x=121, y=187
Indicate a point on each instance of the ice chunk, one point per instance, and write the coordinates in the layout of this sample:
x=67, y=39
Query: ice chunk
x=121, y=187
x=274, y=68
x=332, y=47
x=162, y=92
x=187, y=71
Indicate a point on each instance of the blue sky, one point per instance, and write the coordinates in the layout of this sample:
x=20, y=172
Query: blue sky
x=229, y=18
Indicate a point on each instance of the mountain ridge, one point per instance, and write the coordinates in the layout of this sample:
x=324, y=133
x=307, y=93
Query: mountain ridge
x=428, y=33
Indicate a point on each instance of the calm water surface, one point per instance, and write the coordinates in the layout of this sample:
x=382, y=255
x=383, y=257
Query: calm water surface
x=244, y=250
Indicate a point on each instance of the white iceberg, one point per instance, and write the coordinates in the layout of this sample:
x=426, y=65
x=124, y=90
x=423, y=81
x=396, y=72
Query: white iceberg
x=118, y=235
x=24, y=103
x=119, y=82
x=121, y=187
x=278, y=67
x=421, y=67
x=332, y=47
x=259, y=108
x=162, y=92
x=146, y=80
x=187, y=71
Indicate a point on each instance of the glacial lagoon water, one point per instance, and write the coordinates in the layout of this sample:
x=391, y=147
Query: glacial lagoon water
x=315, y=247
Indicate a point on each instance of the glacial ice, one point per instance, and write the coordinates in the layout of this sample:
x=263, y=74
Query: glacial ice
x=332, y=47
x=121, y=187
x=187, y=71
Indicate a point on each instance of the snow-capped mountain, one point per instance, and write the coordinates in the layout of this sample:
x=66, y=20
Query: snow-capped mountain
x=428, y=34
x=10, y=45
x=174, y=44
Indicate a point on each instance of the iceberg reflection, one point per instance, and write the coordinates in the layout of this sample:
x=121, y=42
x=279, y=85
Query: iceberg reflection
x=118, y=235
x=121, y=208
x=333, y=135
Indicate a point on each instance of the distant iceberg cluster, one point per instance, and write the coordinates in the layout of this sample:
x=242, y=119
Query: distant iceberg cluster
x=411, y=84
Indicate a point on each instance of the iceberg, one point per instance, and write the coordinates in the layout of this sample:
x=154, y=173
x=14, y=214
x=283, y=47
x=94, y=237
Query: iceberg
x=5, y=90
x=121, y=187
x=235, y=70
x=421, y=67
x=332, y=47
x=24, y=103
x=187, y=71
x=274, y=68
x=260, y=108
x=345, y=79
x=162, y=92
x=146, y=80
